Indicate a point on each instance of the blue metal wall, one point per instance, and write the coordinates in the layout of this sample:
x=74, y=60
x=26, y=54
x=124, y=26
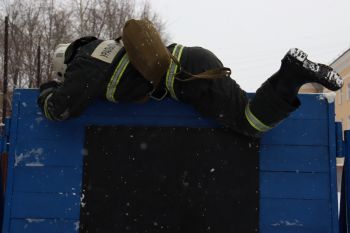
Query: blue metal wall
x=297, y=164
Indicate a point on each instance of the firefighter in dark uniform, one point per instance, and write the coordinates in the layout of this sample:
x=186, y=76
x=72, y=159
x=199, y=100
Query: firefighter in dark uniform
x=93, y=68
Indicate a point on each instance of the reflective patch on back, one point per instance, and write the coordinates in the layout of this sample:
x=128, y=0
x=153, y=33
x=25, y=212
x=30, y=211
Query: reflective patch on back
x=106, y=51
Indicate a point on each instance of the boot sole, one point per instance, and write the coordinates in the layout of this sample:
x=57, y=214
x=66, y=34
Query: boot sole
x=330, y=79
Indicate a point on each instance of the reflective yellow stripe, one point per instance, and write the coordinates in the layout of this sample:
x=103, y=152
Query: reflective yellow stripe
x=46, y=111
x=255, y=122
x=117, y=74
x=170, y=75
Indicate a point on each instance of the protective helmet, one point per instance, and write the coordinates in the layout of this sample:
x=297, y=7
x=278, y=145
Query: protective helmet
x=58, y=65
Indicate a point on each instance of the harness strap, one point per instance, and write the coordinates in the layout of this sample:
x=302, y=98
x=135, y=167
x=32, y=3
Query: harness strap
x=254, y=121
x=115, y=79
x=175, y=68
x=172, y=71
x=209, y=74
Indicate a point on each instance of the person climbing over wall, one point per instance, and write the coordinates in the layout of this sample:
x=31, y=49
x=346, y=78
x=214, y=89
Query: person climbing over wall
x=142, y=68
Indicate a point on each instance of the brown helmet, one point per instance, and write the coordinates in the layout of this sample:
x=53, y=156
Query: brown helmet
x=145, y=49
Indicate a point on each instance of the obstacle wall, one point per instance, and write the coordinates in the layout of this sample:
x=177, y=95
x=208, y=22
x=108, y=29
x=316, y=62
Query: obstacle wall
x=297, y=168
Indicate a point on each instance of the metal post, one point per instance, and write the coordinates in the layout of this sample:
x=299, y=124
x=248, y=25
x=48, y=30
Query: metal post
x=339, y=139
x=344, y=219
x=38, y=75
x=4, y=91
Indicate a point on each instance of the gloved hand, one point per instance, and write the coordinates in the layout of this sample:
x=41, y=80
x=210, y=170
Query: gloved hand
x=46, y=91
x=49, y=84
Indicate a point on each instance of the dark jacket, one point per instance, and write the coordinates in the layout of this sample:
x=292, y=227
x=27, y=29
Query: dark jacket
x=87, y=78
x=222, y=99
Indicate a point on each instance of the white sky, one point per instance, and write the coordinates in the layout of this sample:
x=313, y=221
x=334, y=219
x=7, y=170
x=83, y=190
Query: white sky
x=251, y=36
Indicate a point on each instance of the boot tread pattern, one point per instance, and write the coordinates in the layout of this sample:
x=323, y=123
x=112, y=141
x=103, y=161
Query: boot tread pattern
x=318, y=73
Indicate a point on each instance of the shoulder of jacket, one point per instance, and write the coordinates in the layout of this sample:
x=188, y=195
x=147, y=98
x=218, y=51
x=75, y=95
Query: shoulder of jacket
x=106, y=50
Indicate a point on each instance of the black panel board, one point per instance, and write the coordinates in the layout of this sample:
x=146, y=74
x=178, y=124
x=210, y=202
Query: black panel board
x=162, y=179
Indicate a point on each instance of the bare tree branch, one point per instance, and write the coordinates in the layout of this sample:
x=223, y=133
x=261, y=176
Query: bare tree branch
x=46, y=23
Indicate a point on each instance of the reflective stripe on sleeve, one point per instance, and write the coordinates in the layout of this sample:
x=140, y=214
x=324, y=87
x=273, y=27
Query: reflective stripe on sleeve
x=255, y=122
x=173, y=67
x=117, y=74
x=46, y=111
x=51, y=116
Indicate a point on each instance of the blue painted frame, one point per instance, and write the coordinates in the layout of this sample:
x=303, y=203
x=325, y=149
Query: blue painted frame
x=297, y=163
x=333, y=165
x=344, y=218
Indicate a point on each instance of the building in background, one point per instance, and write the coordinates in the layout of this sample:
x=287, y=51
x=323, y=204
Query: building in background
x=342, y=99
x=342, y=102
x=311, y=88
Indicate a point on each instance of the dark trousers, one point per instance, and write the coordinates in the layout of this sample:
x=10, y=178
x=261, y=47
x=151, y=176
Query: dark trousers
x=224, y=100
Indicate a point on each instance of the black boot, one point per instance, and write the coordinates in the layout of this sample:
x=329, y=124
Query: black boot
x=277, y=97
x=295, y=62
x=267, y=108
x=296, y=70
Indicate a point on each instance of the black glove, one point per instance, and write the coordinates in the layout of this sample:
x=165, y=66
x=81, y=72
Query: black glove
x=49, y=84
x=46, y=91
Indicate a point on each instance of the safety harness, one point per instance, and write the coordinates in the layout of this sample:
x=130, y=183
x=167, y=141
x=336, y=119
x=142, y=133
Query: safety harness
x=169, y=78
x=172, y=71
x=115, y=79
x=158, y=93
x=152, y=59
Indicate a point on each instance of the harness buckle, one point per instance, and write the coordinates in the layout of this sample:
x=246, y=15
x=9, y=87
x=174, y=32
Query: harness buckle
x=158, y=94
